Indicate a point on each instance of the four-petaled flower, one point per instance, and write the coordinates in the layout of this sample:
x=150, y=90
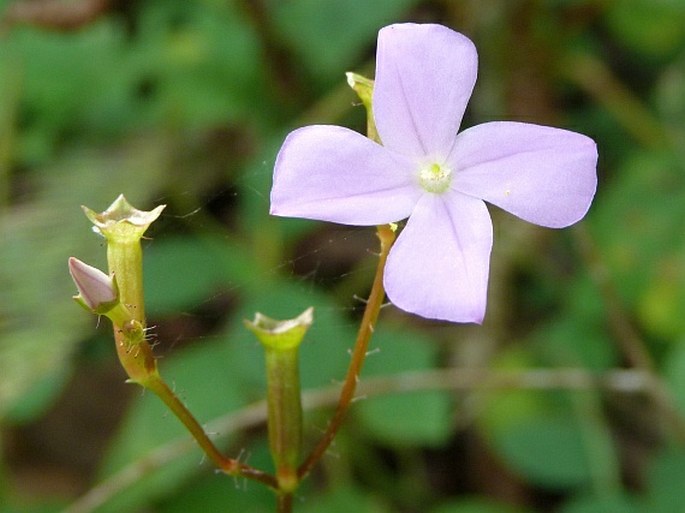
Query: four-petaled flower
x=424, y=170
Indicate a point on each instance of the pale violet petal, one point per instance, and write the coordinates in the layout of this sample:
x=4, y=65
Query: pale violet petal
x=334, y=174
x=547, y=176
x=438, y=267
x=424, y=77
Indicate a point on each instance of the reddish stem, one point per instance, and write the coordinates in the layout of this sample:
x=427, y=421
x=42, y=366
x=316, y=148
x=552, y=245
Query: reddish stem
x=230, y=466
x=386, y=234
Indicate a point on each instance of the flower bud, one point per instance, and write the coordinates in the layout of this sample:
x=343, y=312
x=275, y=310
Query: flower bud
x=97, y=291
x=364, y=88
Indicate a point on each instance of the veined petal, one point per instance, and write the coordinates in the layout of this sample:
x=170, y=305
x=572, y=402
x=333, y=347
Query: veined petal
x=547, y=176
x=334, y=174
x=424, y=78
x=438, y=268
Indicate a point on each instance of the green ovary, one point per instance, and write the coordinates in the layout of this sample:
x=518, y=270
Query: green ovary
x=435, y=178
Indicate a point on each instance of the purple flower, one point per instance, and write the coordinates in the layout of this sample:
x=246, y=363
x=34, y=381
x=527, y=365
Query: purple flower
x=438, y=267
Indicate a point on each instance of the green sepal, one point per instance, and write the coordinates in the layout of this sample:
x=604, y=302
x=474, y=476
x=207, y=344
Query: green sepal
x=122, y=222
x=364, y=88
x=281, y=335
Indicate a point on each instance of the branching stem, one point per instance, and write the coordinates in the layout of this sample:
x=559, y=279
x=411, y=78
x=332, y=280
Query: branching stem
x=227, y=465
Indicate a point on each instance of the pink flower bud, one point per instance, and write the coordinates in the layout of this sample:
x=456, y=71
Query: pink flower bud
x=97, y=291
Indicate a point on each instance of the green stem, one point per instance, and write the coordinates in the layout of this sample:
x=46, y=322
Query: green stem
x=387, y=236
x=125, y=260
x=285, y=414
x=229, y=466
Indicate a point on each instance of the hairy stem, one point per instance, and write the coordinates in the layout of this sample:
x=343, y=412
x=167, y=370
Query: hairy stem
x=227, y=465
x=625, y=382
x=386, y=234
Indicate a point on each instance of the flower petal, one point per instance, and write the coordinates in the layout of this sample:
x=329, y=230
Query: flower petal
x=334, y=174
x=96, y=289
x=438, y=268
x=544, y=175
x=424, y=77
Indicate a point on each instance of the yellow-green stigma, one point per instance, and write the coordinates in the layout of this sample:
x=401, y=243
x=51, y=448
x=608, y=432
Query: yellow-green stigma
x=435, y=178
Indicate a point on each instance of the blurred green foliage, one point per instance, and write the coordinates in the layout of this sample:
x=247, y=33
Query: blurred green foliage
x=185, y=102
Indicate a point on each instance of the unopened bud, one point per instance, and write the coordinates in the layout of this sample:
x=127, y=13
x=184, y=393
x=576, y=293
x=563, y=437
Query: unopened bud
x=97, y=291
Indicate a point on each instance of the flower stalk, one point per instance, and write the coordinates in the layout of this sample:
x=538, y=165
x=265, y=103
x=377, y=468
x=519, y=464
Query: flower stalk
x=285, y=414
x=386, y=235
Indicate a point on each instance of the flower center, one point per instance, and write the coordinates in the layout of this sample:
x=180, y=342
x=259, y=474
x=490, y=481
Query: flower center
x=435, y=178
